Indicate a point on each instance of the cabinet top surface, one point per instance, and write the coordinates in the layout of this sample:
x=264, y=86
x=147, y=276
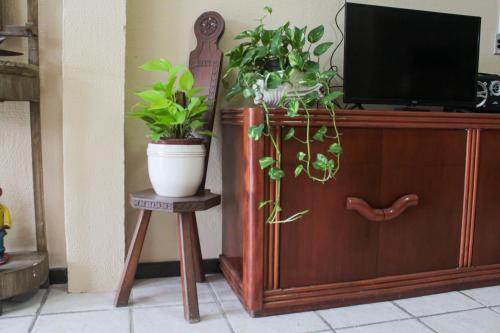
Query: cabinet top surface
x=373, y=118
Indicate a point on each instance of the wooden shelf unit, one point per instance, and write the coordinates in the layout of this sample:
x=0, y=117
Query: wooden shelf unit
x=447, y=240
x=20, y=82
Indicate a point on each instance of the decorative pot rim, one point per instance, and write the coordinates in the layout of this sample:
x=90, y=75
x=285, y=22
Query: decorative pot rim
x=187, y=141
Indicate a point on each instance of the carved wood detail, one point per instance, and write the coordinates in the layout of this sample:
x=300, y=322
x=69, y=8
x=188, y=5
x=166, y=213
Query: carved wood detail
x=205, y=61
x=151, y=201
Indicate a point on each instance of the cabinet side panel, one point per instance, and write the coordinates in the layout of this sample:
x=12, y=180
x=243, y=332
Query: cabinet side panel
x=233, y=196
x=486, y=247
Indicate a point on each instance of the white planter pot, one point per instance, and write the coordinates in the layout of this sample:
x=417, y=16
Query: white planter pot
x=176, y=170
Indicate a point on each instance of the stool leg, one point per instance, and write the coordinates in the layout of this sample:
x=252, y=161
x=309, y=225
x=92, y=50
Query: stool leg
x=197, y=257
x=133, y=255
x=188, y=278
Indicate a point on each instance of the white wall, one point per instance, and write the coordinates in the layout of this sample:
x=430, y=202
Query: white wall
x=164, y=29
x=93, y=103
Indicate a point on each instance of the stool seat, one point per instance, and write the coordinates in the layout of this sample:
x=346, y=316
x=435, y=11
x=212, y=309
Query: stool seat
x=149, y=200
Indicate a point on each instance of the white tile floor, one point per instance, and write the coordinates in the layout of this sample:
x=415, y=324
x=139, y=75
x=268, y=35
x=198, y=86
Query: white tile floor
x=156, y=306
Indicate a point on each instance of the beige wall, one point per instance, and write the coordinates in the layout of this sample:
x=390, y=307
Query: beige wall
x=158, y=28
x=50, y=26
x=15, y=161
x=93, y=65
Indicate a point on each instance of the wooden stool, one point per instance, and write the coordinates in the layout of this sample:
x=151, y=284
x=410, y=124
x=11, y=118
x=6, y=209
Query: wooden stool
x=205, y=62
x=189, y=243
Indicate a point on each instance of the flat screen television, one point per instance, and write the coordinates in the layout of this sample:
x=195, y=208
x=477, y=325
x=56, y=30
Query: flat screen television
x=409, y=57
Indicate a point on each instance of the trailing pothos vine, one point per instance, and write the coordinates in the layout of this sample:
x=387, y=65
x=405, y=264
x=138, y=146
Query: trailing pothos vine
x=270, y=59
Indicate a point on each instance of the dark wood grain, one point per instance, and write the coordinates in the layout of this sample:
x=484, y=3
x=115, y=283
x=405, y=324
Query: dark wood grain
x=334, y=257
x=380, y=289
x=464, y=253
x=431, y=164
x=378, y=119
x=133, y=256
x=331, y=244
x=472, y=197
x=188, y=277
x=253, y=228
x=205, y=63
x=386, y=214
x=148, y=199
x=197, y=255
x=487, y=231
x=233, y=193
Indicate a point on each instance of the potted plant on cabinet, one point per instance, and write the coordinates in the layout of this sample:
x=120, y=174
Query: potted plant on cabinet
x=174, y=115
x=281, y=68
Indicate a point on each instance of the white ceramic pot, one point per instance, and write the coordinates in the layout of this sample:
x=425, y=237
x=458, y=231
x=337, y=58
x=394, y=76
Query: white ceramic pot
x=176, y=167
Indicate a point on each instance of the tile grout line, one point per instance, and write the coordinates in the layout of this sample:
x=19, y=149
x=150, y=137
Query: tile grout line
x=157, y=306
x=484, y=306
x=371, y=324
x=218, y=302
x=325, y=321
x=81, y=311
x=472, y=298
x=413, y=316
x=39, y=310
x=452, y=312
x=219, y=306
x=131, y=319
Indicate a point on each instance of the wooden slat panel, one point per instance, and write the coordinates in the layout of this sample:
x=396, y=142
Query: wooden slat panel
x=25, y=271
x=18, y=31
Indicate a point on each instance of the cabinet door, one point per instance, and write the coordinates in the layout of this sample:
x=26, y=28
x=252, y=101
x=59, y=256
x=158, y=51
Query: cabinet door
x=431, y=164
x=486, y=247
x=331, y=244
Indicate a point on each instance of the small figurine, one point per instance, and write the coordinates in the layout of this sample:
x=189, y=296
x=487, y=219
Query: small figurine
x=5, y=223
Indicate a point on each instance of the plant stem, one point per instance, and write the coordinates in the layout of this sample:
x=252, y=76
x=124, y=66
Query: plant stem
x=276, y=208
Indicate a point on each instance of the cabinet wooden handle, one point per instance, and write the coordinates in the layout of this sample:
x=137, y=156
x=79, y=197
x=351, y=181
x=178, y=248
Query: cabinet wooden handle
x=386, y=214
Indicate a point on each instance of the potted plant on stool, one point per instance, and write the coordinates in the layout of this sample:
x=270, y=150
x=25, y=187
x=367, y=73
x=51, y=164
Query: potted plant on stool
x=174, y=115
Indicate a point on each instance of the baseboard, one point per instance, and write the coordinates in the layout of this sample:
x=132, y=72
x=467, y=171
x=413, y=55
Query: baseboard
x=58, y=275
x=145, y=270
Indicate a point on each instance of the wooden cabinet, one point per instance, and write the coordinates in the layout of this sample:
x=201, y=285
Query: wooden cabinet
x=486, y=249
x=447, y=238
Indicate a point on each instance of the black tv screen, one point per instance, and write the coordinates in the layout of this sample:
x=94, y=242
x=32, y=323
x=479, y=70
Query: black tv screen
x=409, y=57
